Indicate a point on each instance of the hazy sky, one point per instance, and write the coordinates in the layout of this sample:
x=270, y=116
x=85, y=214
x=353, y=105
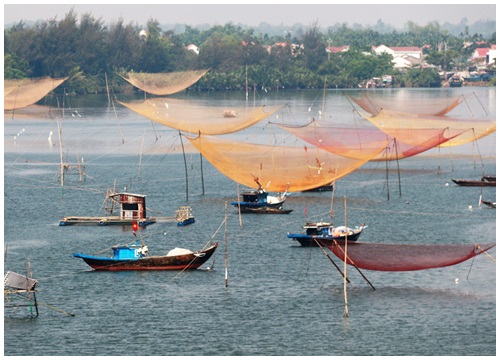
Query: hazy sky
x=252, y=15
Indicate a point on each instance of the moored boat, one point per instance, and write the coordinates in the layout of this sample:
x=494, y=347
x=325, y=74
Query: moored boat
x=483, y=182
x=259, y=201
x=326, y=233
x=490, y=204
x=136, y=256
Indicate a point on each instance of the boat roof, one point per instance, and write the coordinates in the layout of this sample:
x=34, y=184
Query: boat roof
x=319, y=224
x=128, y=194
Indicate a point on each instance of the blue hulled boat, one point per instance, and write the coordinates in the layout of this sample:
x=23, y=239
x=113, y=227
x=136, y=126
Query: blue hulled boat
x=325, y=233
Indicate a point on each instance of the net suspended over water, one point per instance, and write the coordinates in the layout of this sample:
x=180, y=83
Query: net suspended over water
x=192, y=117
x=369, y=142
x=406, y=257
x=470, y=129
x=162, y=84
x=301, y=167
x=20, y=93
x=406, y=103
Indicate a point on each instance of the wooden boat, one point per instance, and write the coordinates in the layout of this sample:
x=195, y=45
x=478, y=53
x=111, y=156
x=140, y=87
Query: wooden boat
x=267, y=210
x=490, y=204
x=136, y=257
x=455, y=81
x=253, y=200
x=483, y=182
x=325, y=233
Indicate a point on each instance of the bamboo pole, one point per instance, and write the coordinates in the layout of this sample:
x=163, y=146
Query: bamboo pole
x=330, y=258
x=185, y=167
x=346, y=307
x=226, y=260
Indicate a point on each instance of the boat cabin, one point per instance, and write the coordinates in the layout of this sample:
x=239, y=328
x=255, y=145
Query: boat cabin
x=132, y=206
x=129, y=252
x=317, y=228
x=254, y=196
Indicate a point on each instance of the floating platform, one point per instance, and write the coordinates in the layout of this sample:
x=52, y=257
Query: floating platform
x=104, y=220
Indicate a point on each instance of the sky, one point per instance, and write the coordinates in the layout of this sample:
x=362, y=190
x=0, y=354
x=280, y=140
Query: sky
x=396, y=15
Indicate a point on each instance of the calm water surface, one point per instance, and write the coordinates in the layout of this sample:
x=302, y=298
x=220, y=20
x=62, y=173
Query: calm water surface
x=282, y=299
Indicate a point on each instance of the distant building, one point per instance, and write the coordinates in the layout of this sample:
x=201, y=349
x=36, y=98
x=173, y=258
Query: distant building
x=414, y=51
x=484, y=56
x=193, y=48
x=337, y=49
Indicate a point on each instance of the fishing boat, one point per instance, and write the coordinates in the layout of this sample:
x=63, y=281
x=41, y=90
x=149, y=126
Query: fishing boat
x=489, y=204
x=455, y=81
x=136, y=256
x=326, y=233
x=259, y=201
x=268, y=210
x=483, y=182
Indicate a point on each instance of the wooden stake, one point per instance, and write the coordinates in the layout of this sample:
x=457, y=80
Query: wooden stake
x=330, y=258
x=226, y=260
x=346, y=307
x=185, y=167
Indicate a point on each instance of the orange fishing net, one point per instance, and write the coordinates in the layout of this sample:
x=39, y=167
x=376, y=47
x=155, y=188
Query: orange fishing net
x=194, y=117
x=369, y=142
x=20, y=93
x=401, y=101
x=301, y=167
x=162, y=84
x=391, y=122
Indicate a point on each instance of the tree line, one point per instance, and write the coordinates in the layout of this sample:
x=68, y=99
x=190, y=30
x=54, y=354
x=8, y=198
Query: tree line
x=92, y=54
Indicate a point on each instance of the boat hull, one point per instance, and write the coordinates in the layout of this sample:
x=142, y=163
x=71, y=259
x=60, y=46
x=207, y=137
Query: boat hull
x=327, y=241
x=479, y=183
x=178, y=262
x=252, y=207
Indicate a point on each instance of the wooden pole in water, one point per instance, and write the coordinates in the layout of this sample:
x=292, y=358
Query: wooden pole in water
x=185, y=167
x=330, y=258
x=140, y=157
x=239, y=207
x=107, y=87
x=226, y=260
x=397, y=163
x=202, y=178
x=387, y=174
x=346, y=307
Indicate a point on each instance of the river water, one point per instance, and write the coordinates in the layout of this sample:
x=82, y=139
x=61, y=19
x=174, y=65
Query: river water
x=281, y=299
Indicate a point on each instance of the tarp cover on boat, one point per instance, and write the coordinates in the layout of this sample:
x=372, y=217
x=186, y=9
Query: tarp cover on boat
x=406, y=257
x=20, y=93
x=195, y=117
x=406, y=102
x=162, y=84
x=276, y=166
